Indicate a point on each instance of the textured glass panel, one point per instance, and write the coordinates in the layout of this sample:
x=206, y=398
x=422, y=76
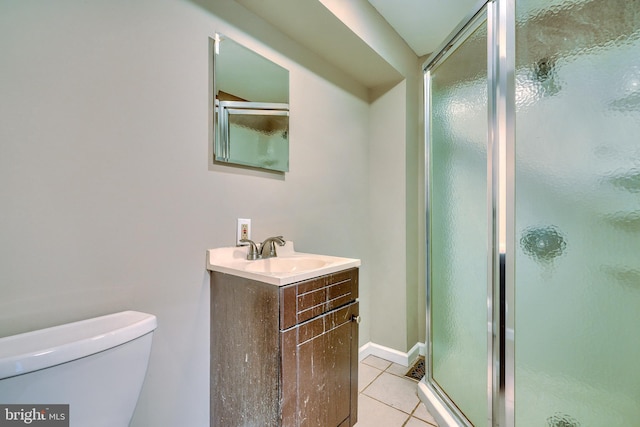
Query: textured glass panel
x=577, y=213
x=458, y=226
x=259, y=140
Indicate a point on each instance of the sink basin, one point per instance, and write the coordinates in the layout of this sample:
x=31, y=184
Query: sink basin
x=285, y=265
x=288, y=267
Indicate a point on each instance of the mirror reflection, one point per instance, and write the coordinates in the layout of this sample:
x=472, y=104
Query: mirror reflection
x=251, y=96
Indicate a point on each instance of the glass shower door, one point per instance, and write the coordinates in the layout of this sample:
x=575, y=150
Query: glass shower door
x=577, y=213
x=458, y=224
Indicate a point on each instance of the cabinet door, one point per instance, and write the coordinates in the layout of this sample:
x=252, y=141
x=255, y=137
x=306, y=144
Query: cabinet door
x=320, y=370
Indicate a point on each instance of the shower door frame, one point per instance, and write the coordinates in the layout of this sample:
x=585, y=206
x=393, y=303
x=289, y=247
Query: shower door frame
x=500, y=18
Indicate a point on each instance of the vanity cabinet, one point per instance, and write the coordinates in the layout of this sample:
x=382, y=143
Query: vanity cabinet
x=284, y=355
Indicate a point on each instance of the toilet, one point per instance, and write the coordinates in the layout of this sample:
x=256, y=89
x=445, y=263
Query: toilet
x=96, y=366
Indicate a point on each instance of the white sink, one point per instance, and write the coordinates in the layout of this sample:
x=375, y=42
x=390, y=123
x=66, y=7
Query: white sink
x=288, y=267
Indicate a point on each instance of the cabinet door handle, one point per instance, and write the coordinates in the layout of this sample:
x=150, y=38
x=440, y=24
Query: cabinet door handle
x=356, y=319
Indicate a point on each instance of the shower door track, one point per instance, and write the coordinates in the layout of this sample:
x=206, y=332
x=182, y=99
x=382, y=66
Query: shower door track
x=500, y=18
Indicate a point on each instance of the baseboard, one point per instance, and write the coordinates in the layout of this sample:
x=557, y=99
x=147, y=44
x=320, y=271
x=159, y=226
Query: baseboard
x=405, y=359
x=435, y=406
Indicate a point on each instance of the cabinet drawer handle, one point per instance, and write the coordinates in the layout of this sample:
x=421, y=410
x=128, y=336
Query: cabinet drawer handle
x=356, y=319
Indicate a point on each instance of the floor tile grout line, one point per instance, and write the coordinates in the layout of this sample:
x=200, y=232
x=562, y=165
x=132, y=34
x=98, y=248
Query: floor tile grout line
x=386, y=404
x=373, y=366
x=396, y=374
x=402, y=376
x=374, y=380
x=410, y=415
x=417, y=417
x=371, y=382
x=378, y=376
x=405, y=377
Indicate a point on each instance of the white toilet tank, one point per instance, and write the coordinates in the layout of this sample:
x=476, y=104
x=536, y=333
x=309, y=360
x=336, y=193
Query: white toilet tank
x=96, y=366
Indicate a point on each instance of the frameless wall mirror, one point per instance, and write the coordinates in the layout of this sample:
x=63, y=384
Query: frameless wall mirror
x=251, y=108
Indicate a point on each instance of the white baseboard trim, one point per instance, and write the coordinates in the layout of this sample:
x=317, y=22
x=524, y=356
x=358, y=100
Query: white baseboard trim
x=405, y=359
x=435, y=406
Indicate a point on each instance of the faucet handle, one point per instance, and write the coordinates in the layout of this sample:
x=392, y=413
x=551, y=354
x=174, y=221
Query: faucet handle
x=253, y=253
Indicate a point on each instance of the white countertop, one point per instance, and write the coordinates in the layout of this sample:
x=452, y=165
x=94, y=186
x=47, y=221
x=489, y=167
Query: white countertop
x=289, y=267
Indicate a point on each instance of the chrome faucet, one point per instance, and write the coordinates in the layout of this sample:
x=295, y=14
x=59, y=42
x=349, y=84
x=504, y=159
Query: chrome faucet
x=266, y=249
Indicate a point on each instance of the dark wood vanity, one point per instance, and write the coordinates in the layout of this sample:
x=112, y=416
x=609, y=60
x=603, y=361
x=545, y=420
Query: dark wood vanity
x=284, y=355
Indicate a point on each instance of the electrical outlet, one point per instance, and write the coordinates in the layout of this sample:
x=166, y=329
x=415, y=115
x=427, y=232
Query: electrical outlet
x=243, y=231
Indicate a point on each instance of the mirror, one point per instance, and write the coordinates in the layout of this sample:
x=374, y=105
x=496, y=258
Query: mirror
x=251, y=111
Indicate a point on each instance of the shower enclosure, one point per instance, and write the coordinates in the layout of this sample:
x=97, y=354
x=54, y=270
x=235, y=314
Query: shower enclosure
x=533, y=211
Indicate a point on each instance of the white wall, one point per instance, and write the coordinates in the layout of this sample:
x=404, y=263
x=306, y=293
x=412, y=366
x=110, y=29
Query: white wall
x=388, y=220
x=108, y=198
x=397, y=190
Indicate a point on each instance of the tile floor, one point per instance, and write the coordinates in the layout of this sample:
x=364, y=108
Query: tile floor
x=387, y=398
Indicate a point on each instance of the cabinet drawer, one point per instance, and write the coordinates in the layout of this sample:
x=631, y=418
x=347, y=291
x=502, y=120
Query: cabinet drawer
x=305, y=300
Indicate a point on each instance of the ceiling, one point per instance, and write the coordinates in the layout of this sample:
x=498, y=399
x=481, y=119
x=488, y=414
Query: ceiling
x=423, y=24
